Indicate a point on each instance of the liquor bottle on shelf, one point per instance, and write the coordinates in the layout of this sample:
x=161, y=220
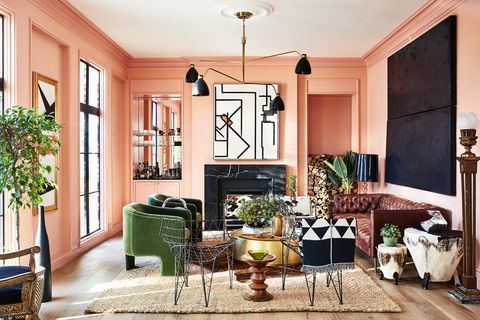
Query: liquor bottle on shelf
x=157, y=170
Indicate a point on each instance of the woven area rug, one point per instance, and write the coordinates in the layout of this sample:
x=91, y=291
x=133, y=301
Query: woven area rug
x=143, y=290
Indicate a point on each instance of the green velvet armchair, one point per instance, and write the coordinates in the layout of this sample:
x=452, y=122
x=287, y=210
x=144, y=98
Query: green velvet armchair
x=194, y=205
x=141, y=233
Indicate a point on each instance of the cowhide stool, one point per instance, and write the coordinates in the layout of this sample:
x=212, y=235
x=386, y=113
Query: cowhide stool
x=436, y=256
x=392, y=261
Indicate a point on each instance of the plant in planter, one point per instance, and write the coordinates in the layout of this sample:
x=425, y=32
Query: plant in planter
x=258, y=211
x=342, y=172
x=26, y=135
x=390, y=234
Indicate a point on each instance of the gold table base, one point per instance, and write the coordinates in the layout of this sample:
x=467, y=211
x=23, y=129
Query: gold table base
x=273, y=245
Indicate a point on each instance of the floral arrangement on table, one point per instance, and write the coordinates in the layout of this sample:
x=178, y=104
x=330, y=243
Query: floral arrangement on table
x=259, y=210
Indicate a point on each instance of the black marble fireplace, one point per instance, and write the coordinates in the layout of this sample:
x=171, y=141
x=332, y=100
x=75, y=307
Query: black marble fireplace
x=257, y=179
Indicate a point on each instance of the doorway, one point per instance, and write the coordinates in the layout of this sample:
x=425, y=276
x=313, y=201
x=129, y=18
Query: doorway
x=329, y=124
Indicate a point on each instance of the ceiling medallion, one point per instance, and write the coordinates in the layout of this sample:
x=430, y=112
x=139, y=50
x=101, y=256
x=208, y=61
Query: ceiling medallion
x=256, y=8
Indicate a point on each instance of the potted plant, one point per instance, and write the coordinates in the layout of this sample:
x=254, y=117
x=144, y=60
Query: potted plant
x=257, y=212
x=343, y=171
x=26, y=135
x=390, y=234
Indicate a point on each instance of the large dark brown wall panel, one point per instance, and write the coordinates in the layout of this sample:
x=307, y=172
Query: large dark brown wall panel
x=422, y=112
x=421, y=151
x=422, y=75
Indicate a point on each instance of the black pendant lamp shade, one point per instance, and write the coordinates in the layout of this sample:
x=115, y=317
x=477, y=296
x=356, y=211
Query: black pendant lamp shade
x=367, y=168
x=303, y=66
x=277, y=104
x=200, y=87
x=192, y=74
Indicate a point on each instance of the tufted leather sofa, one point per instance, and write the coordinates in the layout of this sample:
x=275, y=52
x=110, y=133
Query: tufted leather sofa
x=374, y=210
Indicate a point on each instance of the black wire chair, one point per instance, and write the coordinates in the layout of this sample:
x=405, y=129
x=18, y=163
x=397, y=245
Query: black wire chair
x=326, y=246
x=203, y=252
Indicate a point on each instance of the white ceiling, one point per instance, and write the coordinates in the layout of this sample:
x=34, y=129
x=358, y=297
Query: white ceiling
x=188, y=28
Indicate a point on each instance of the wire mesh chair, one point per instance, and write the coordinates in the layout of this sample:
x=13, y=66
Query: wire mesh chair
x=203, y=252
x=325, y=245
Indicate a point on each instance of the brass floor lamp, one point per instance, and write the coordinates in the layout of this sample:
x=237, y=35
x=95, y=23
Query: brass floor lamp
x=468, y=292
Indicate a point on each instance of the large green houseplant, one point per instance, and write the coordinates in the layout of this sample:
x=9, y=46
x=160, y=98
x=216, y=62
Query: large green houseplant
x=25, y=135
x=343, y=171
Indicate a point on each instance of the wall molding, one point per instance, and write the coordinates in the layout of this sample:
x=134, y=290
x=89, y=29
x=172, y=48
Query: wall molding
x=67, y=15
x=423, y=19
x=235, y=61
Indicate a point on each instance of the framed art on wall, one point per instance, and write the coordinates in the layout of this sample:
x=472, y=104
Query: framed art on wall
x=45, y=97
x=245, y=128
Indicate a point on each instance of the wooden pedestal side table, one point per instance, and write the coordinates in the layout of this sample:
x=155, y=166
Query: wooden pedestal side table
x=258, y=292
x=392, y=261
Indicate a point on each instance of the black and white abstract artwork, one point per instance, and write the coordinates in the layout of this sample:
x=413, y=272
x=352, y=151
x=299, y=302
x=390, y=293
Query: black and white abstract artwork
x=245, y=127
x=45, y=96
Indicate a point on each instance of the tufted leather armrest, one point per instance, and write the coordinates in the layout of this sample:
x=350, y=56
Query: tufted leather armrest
x=355, y=203
x=401, y=218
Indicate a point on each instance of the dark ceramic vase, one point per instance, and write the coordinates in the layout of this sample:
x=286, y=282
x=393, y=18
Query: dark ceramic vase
x=43, y=258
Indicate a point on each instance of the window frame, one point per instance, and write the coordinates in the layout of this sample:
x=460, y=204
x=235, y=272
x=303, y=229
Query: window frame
x=2, y=109
x=86, y=109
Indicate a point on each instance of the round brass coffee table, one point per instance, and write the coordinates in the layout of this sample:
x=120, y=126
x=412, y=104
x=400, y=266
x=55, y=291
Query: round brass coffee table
x=273, y=245
x=258, y=268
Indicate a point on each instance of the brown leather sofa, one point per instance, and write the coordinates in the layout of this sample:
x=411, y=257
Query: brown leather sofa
x=374, y=210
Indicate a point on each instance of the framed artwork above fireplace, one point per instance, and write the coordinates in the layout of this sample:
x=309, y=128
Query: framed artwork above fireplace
x=244, y=126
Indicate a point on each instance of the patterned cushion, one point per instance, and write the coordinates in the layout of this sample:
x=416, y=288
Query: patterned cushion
x=328, y=244
x=13, y=293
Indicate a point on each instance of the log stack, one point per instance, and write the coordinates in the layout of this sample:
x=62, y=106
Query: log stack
x=320, y=188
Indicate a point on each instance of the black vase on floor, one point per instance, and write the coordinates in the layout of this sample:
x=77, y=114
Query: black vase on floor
x=43, y=258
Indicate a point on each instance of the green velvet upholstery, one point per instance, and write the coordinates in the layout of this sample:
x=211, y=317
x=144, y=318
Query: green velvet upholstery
x=194, y=205
x=141, y=233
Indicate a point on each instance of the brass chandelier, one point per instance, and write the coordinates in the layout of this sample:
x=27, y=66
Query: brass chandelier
x=200, y=87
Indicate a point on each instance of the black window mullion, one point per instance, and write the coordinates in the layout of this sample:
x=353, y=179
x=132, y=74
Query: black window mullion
x=2, y=103
x=87, y=176
x=87, y=109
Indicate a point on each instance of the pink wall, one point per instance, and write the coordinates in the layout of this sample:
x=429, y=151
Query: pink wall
x=468, y=99
x=329, y=124
x=49, y=37
x=197, y=111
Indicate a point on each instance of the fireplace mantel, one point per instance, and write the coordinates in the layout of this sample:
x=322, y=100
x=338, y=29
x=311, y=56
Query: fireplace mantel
x=241, y=178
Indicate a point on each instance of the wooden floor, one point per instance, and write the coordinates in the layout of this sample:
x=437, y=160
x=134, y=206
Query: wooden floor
x=76, y=284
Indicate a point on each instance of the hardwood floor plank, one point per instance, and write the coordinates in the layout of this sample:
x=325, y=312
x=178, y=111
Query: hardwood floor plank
x=79, y=282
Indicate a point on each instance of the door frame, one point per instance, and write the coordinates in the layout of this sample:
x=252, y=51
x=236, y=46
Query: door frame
x=324, y=86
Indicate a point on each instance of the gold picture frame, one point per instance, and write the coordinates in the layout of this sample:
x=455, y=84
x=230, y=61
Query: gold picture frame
x=45, y=100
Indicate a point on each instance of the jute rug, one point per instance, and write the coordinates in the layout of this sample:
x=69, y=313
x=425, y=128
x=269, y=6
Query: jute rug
x=143, y=290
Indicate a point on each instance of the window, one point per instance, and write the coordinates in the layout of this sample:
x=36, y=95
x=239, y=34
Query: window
x=90, y=219
x=2, y=198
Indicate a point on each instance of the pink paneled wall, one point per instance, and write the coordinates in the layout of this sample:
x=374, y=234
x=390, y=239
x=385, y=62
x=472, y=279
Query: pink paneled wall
x=329, y=124
x=198, y=137
x=52, y=44
x=468, y=100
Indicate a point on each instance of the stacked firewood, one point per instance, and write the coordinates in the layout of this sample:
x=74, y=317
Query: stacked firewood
x=320, y=188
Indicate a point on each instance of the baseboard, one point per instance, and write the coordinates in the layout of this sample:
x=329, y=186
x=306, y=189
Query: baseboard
x=65, y=259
